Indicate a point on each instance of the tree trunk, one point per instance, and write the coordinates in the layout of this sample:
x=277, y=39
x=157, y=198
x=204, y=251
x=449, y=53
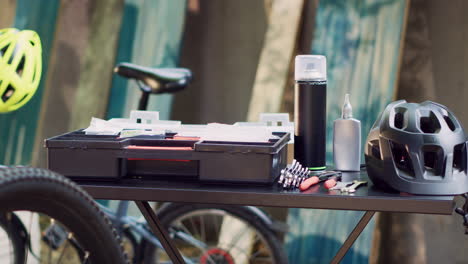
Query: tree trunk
x=7, y=13
x=222, y=45
x=70, y=43
x=399, y=238
x=96, y=69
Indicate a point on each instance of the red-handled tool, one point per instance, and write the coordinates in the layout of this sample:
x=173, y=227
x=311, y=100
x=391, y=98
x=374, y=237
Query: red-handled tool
x=329, y=178
x=309, y=182
x=330, y=183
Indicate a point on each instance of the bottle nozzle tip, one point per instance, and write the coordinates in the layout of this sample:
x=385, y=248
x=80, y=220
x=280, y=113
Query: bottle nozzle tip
x=347, y=111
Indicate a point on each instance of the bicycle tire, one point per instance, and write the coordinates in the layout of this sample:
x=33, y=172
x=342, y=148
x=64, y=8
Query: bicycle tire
x=46, y=192
x=170, y=212
x=14, y=229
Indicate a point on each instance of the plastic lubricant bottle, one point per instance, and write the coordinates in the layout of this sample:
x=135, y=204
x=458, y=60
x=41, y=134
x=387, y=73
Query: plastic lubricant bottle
x=310, y=107
x=347, y=140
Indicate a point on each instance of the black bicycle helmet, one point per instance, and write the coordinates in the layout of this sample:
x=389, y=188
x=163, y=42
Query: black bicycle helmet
x=419, y=149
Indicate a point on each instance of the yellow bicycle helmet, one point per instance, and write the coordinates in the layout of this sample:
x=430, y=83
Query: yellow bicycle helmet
x=20, y=67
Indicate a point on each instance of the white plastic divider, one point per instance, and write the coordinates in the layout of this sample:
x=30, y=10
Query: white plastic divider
x=147, y=122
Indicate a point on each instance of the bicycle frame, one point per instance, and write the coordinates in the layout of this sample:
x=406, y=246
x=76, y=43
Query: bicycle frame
x=121, y=219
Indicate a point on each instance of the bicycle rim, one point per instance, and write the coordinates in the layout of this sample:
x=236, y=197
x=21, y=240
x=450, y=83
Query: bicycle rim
x=55, y=243
x=130, y=246
x=216, y=236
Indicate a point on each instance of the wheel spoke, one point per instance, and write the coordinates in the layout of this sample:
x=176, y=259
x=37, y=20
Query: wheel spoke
x=218, y=227
x=64, y=247
x=202, y=229
x=202, y=250
x=193, y=225
x=182, y=225
x=50, y=255
x=237, y=238
x=206, y=225
x=195, y=245
x=254, y=255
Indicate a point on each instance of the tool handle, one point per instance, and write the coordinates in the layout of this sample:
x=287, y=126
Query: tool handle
x=330, y=183
x=309, y=182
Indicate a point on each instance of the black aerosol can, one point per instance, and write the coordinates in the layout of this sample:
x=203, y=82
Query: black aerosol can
x=310, y=110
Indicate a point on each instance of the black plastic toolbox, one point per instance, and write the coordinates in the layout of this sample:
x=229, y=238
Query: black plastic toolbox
x=78, y=155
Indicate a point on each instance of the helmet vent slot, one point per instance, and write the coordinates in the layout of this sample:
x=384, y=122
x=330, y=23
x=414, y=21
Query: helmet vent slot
x=4, y=50
x=429, y=123
x=8, y=93
x=430, y=160
x=375, y=149
x=19, y=69
x=399, y=120
x=34, y=73
x=433, y=159
x=402, y=158
x=459, y=157
x=449, y=122
x=12, y=56
x=22, y=99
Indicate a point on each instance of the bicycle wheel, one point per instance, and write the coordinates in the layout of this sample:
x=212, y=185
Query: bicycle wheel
x=12, y=240
x=130, y=245
x=71, y=215
x=198, y=233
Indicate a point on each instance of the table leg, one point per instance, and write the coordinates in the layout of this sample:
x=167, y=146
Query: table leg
x=160, y=232
x=353, y=236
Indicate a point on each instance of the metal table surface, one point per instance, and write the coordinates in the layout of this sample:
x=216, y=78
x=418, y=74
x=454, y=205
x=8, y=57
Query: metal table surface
x=366, y=198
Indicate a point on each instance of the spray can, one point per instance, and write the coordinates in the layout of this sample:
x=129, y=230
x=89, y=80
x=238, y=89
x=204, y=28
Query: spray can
x=310, y=107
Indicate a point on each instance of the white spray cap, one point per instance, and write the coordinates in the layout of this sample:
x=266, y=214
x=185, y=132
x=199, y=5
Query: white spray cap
x=310, y=67
x=347, y=110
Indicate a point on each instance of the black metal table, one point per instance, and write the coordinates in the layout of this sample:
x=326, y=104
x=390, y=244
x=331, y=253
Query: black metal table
x=366, y=198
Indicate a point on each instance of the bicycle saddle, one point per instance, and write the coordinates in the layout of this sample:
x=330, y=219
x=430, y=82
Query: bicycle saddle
x=156, y=80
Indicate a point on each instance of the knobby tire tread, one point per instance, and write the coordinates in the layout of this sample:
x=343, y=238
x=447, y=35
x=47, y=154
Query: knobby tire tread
x=43, y=191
